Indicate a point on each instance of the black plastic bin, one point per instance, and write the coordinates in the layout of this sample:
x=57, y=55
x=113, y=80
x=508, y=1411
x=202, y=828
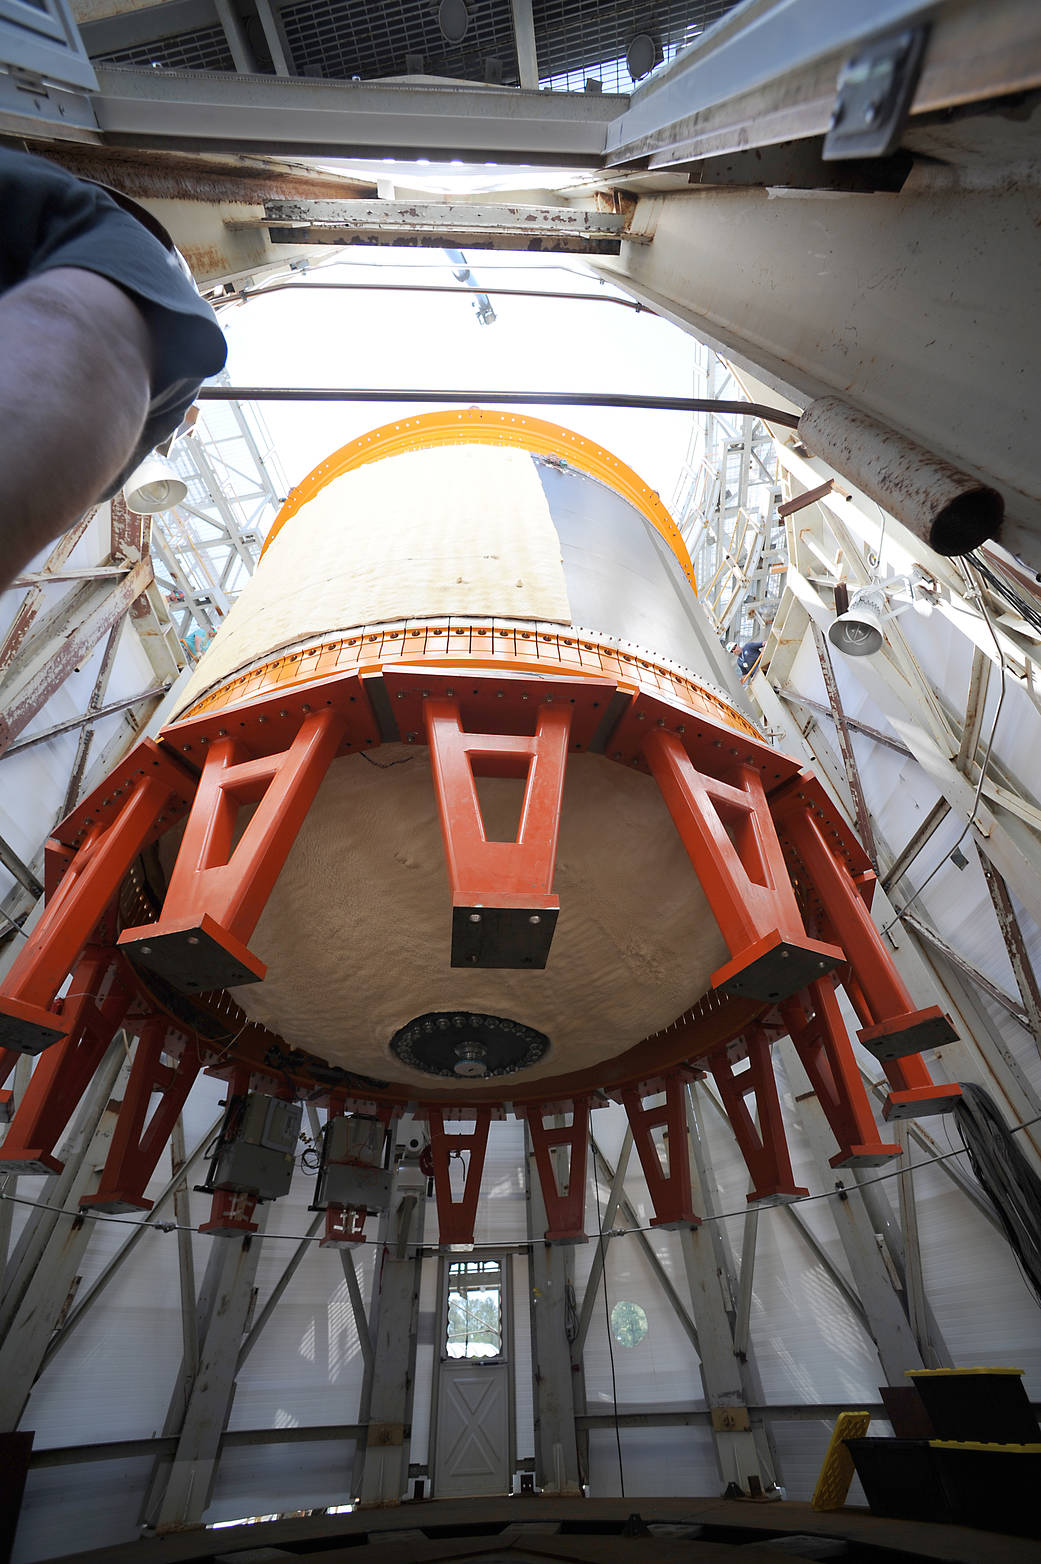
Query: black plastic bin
x=996, y=1487
x=982, y=1405
x=900, y=1478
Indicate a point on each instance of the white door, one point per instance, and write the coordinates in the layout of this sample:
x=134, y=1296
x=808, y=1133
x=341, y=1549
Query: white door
x=472, y=1416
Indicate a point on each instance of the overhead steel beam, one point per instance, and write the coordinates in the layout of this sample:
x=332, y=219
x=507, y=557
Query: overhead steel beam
x=442, y=225
x=990, y=988
x=280, y=116
x=772, y=78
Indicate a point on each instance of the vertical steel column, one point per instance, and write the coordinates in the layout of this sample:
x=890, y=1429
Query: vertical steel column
x=381, y=1463
x=182, y=1484
x=556, y=1442
x=893, y=1337
x=46, y=1262
x=736, y=1308
x=744, y=1460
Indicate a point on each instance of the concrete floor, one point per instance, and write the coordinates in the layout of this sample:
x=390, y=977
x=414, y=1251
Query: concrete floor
x=539, y=1528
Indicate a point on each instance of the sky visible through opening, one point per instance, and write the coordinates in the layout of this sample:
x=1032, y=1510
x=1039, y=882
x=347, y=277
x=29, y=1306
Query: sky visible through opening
x=398, y=339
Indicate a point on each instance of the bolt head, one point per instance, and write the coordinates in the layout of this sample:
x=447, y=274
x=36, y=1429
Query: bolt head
x=193, y=939
x=146, y=950
x=535, y=918
x=475, y=917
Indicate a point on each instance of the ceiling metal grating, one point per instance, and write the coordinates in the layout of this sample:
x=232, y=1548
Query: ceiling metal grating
x=580, y=39
x=348, y=38
x=206, y=49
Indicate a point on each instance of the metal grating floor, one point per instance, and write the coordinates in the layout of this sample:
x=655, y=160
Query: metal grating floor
x=206, y=49
x=347, y=38
x=578, y=39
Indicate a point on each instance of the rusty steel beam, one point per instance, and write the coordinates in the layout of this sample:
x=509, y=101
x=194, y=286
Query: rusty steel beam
x=801, y=501
x=90, y=716
x=86, y=737
x=41, y=670
x=165, y=176
x=853, y=723
x=979, y=679
x=931, y=937
x=21, y=871
x=33, y=600
x=849, y=759
x=1015, y=944
x=899, y=867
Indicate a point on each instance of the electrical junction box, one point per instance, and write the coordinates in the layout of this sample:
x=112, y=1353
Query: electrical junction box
x=259, y=1153
x=352, y=1151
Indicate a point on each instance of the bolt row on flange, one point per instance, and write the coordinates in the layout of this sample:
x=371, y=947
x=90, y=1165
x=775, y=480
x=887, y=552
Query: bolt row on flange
x=786, y=880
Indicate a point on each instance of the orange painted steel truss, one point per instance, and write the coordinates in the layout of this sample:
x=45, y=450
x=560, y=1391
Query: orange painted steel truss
x=786, y=879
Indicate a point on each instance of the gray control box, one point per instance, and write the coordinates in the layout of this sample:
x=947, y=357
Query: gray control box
x=259, y=1160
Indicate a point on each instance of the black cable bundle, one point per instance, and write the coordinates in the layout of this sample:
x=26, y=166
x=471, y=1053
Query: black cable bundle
x=1006, y=1176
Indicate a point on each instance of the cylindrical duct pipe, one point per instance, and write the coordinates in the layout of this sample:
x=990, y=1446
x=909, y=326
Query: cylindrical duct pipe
x=948, y=509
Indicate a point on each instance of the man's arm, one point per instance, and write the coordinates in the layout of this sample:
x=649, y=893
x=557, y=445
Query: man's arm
x=74, y=393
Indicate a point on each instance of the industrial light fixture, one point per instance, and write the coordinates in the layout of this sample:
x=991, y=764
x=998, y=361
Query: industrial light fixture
x=154, y=486
x=857, y=631
x=453, y=19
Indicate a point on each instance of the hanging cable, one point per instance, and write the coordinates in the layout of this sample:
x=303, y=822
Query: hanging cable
x=1005, y=1176
x=610, y=1342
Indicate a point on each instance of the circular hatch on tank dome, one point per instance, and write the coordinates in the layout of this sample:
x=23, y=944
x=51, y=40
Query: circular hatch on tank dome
x=468, y=1045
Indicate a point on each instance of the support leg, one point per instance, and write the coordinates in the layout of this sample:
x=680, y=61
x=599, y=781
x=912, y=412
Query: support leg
x=818, y=1033
x=730, y=837
x=135, y=1150
x=456, y=1218
x=216, y=892
x=896, y=1028
x=563, y=1192
x=765, y=1149
x=27, y=1019
x=666, y=1165
x=503, y=907
x=93, y=1011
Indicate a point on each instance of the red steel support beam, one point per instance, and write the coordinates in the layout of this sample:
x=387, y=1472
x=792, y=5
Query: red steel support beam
x=456, y=1218
x=565, y=1206
x=726, y=827
x=135, y=1150
x=503, y=909
x=92, y=1013
x=666, y=1167
x=27, y=1021
x=216, y=892
x=818, y=1032
x=894, y=1028
x=765, y=1149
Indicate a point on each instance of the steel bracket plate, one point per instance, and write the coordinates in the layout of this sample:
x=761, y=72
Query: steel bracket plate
x=875, y=89
x=504, y=936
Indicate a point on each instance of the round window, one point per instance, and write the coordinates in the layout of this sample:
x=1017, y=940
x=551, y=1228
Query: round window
x=628, y=1324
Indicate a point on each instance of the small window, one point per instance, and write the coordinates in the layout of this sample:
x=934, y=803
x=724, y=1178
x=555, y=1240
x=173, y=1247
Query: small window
x=628, y=1324
x=474, y=1309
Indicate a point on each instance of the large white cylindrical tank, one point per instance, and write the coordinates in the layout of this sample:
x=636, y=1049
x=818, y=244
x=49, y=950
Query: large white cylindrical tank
x=355, y=934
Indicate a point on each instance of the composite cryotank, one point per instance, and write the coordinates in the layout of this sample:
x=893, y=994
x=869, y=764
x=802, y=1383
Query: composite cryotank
x=491, y=543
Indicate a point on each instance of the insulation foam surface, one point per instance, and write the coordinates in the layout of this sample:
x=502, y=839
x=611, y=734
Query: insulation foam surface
x=454, y=530
x=357, y=933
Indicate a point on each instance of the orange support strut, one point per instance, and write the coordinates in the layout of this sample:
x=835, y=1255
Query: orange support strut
x=216, y=893
x=503, y=909
x=730, y=837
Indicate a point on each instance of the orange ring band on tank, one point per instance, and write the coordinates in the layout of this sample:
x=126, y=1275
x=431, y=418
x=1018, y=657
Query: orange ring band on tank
x=481, y=426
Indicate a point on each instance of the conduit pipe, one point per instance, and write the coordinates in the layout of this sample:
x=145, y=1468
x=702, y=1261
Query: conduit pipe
x=948, y=509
